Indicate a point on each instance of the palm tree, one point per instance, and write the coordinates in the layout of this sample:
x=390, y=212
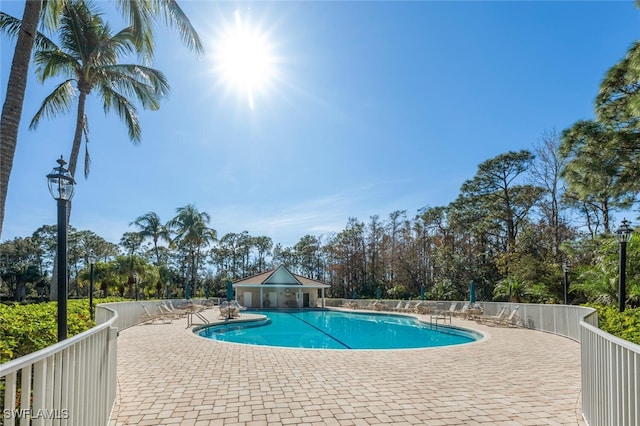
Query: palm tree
x=512, y=289
x=88, y=56
x=150, y=226
x=142, y=16
x=192, y=232
x=16, y=86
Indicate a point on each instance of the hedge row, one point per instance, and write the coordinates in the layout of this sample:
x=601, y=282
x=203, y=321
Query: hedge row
x=26, y=328
x=625, y=325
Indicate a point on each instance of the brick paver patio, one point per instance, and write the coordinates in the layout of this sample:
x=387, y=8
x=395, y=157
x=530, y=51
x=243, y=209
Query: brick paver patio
x=167, y=375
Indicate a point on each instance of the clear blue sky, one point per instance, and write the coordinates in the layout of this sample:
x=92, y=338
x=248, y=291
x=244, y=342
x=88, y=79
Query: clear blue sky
x=377, y=107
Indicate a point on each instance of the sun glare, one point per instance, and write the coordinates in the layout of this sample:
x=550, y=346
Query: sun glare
x=244, y=59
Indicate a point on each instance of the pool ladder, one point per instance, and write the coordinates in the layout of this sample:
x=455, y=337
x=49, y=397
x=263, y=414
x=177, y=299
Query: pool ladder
x=198, y=315
x=442, y=316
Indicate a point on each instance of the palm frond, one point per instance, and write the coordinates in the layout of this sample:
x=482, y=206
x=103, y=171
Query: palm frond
x=125, y=109
x=140, y=15
x=10, y=26
x=174, y=16
x=148, y=86
x=59, y=101
x=123, y=42
x=51, y=13
x=52, y=63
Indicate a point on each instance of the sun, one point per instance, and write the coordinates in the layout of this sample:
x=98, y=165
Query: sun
x=244, y=59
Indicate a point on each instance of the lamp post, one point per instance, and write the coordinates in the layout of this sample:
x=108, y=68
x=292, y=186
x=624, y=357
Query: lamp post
x=61, y=186
x=623, y=235
x=135, y=281
x=565, y=268
x=91, y=276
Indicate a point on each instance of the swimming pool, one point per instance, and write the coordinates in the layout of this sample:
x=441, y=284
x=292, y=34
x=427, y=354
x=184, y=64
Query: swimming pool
x=326, y=329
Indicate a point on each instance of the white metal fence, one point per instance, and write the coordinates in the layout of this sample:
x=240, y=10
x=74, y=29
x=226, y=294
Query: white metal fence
x=610, y=378
x=70, y=383
x=73, y=382
x=132, y=313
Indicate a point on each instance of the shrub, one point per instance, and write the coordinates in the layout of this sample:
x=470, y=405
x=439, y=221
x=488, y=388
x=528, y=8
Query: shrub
x=27, y=328
x=625, y=325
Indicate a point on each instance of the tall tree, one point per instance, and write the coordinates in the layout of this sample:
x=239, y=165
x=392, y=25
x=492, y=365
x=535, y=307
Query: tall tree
x=375, y=232
x=593, y=170
x=88, y=55
x=307, y=251
x=16, y=87
x=141, y=14
x=192, y=231
x=150, y=226
x=263, y=246
x=347, y=249
x=18, y=266
x=618, y=99
x=618, y=113
x=496, y=190
x=229, y=248
x=546, y=171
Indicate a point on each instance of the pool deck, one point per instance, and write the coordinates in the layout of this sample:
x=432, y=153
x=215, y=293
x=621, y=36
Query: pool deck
x=167, y=375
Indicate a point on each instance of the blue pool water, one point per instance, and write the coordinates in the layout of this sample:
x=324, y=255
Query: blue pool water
x=324, y=329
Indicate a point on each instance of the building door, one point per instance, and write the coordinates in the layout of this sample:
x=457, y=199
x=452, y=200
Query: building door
x=273, y=299
x=247, y=299
x=305, y=300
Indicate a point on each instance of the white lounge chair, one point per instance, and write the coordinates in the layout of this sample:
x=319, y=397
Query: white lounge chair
x=170, y=312
x=398, y=306
x=509, y=320
x=407, y=307
x=151, y=318
x=180, y=309
x=422, y=308
x=486, y=319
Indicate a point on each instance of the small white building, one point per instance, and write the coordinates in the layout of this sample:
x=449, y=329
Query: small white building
x=279, y=288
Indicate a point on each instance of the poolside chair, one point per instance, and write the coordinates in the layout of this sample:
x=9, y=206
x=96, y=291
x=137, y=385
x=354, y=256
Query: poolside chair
x=208, y=303
x=235, y=308
x=398, y=306
x=407, y=307
x=350, y=304
x=511, y=320
x=169, y=311
x=180, y=309
x=485, y=319
x=224, y=310
x=151, y=318
x=194, y=306
x=422, y=308
x=470, y=311
x=463, y=312
x=442, y=314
